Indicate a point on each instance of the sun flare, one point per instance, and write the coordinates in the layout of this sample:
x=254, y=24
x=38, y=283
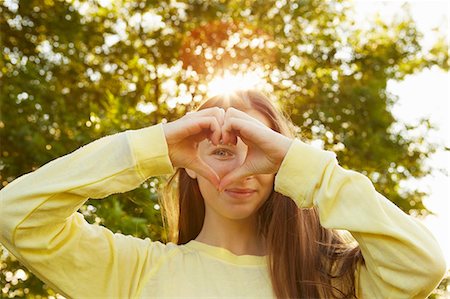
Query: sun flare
x=228, y=83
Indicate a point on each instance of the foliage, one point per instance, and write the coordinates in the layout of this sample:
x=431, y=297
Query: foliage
x=443, y=290
x=73, y=71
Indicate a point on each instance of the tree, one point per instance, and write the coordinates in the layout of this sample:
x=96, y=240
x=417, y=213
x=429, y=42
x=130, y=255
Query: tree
x=73, y=72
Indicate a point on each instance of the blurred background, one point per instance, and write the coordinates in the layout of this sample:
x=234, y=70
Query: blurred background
x=366, y=79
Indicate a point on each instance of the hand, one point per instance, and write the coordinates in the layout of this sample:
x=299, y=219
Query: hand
x=184, y=134
x=266, y=147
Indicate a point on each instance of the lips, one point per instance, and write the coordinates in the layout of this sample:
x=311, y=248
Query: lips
x=240, y=193
x=239, y=190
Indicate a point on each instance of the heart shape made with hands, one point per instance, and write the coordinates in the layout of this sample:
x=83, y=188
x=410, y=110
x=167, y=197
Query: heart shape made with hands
x=207, y=168
x=265, y=148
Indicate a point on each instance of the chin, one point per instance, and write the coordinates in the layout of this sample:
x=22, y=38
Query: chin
x=240, y=213
x=238, y=209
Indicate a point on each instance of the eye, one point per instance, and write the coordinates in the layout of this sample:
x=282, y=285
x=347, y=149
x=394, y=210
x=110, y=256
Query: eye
x=222, y=153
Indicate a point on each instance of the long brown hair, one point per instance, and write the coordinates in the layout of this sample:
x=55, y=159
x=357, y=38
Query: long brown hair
x=305, y=259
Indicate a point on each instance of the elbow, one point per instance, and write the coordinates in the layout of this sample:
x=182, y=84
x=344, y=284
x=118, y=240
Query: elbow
x=5, y=233
x=3, y=212
x=434, y=270
x=437, y=262
x=437, y=269
x=8, y=217
x=5, y=226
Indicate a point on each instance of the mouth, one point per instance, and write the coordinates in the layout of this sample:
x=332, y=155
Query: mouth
x=240, y=193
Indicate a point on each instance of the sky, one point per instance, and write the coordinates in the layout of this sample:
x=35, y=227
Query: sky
x=424, y=95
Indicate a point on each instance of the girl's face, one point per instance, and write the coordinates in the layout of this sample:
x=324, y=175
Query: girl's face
x=240, y=199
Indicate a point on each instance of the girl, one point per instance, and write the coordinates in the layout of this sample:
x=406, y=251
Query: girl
x=254, y=215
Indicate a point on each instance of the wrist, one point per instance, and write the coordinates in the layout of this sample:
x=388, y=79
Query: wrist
x=284, y=144
x=166, y=131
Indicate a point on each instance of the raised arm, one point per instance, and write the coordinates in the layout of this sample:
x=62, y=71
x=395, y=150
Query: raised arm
x=402, y=259
x=40, y=226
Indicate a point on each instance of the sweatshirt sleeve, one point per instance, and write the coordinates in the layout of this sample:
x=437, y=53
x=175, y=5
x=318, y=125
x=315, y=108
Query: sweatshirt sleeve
x=402, y=258
x=40, y=225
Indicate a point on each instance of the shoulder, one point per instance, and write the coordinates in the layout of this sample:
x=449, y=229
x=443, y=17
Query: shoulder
x=160, y=250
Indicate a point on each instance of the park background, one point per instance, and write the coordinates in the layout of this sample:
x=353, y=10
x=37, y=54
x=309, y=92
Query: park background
x=366, y=79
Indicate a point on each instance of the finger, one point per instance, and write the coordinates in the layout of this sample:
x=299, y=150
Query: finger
x=229, y=134
x=229, y=137
x=204, y=170
x=245, y=129
x=233, y=176
x=216, y=130
x=221, y=116
x=236, y=113
x=217, y=112
x=204, y=127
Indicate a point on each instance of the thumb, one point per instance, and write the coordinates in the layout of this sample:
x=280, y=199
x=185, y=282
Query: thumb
x=235, y=175
x=207, y=172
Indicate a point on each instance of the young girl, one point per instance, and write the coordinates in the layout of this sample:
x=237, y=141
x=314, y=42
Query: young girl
x=254, y=215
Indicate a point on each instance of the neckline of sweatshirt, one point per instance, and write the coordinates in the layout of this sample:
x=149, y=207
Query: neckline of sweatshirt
x=226, y=255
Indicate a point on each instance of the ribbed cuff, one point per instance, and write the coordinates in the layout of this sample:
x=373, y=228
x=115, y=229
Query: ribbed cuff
x=301, y=172
x=150, y=151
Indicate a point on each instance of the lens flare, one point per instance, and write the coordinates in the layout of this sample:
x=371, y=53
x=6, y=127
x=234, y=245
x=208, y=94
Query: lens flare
x=229, y=83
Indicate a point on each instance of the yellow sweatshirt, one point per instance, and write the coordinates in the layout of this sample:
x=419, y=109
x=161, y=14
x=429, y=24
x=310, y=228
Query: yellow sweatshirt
x=40, y=225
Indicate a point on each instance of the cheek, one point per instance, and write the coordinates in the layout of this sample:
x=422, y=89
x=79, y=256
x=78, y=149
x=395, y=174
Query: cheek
x=223, y=167
x=266, y=181
x=206, y=188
